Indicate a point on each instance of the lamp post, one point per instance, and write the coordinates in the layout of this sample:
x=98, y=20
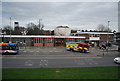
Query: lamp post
x=108, y=37
x=108, y=32
x=10, y=29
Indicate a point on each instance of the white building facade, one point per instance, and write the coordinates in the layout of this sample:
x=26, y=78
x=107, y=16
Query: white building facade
x=62, y=31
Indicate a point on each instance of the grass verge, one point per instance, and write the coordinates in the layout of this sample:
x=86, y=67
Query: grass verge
x=65, y=73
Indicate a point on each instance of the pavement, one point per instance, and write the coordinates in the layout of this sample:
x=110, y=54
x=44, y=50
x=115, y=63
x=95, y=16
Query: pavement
x=43, y=49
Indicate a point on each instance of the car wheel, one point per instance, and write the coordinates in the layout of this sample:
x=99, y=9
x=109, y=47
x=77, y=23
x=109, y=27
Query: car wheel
x=81, y=51
x=6, y=53
x=68, y=49
x=84, y=51
x=73, y=50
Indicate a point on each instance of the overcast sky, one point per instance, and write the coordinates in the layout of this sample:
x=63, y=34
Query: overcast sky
x=76, y=15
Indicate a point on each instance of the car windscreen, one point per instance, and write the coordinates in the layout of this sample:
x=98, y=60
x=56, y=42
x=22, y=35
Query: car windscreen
x=86, y=46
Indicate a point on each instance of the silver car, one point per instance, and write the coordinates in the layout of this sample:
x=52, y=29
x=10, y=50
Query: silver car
x=117, y=60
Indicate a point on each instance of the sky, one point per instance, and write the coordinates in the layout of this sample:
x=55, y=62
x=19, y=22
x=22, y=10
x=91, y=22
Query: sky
x=76, y=15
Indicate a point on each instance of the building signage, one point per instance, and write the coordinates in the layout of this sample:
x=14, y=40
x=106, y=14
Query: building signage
x=94, y=38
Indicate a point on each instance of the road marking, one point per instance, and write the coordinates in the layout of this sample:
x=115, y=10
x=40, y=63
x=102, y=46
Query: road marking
x=43, y=62
x=47, y=57
x=91, y=61
x=46, y=64
x=29, y=63
x=79, y=62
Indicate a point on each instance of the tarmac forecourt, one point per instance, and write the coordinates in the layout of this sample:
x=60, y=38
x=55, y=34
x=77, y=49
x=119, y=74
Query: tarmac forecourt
x=94, y=51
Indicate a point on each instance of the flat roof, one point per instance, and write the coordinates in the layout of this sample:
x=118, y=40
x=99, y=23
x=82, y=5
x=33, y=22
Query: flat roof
x=93, y=33
x=43, y=36
x=117, y=32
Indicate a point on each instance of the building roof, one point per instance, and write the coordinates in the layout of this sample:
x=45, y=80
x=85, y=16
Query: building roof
x=117, y=32
x=93, y=33
x=43, y=36
x=62, y=27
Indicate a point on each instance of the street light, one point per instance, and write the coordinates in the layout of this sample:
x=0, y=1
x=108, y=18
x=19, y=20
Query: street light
x=108, y=37
x=10, y=29
x=108, y=32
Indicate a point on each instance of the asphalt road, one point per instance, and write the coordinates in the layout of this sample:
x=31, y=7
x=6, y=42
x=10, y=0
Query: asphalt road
x=55, y=60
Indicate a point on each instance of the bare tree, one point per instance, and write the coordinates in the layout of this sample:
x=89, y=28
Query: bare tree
x=7, y=29
x=33, y=29
x=102, y=28
x=30, y=28
x=108, y=29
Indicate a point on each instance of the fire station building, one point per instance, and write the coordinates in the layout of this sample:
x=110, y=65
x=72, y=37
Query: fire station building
x=38, y=40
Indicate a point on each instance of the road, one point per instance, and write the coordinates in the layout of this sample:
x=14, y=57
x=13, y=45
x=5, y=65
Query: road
x=55, y=60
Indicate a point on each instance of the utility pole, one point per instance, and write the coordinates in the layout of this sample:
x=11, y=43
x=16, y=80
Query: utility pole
x=40, y=24
x=108, y=32
x=10, y=29
x=108, y=37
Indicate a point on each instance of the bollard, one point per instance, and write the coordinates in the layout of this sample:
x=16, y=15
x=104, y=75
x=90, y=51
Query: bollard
x=103, y=52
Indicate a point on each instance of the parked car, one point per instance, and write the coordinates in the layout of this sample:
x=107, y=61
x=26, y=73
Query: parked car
x=117, y=60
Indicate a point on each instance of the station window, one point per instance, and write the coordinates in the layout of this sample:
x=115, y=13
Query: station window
x=70, y=40
x=94, y=35
x=78, y=40
x=91, y=35
x=48, y=40
x=38, y=40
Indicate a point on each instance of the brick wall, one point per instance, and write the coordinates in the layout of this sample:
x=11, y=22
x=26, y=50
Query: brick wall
x=106, y=37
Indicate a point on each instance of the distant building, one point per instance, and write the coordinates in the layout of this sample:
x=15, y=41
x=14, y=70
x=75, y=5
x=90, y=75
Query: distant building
x=1, y=35
x=19, y=30
x=62, y=31
x=1, y=31
x=16, y=24
x=117, y=39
